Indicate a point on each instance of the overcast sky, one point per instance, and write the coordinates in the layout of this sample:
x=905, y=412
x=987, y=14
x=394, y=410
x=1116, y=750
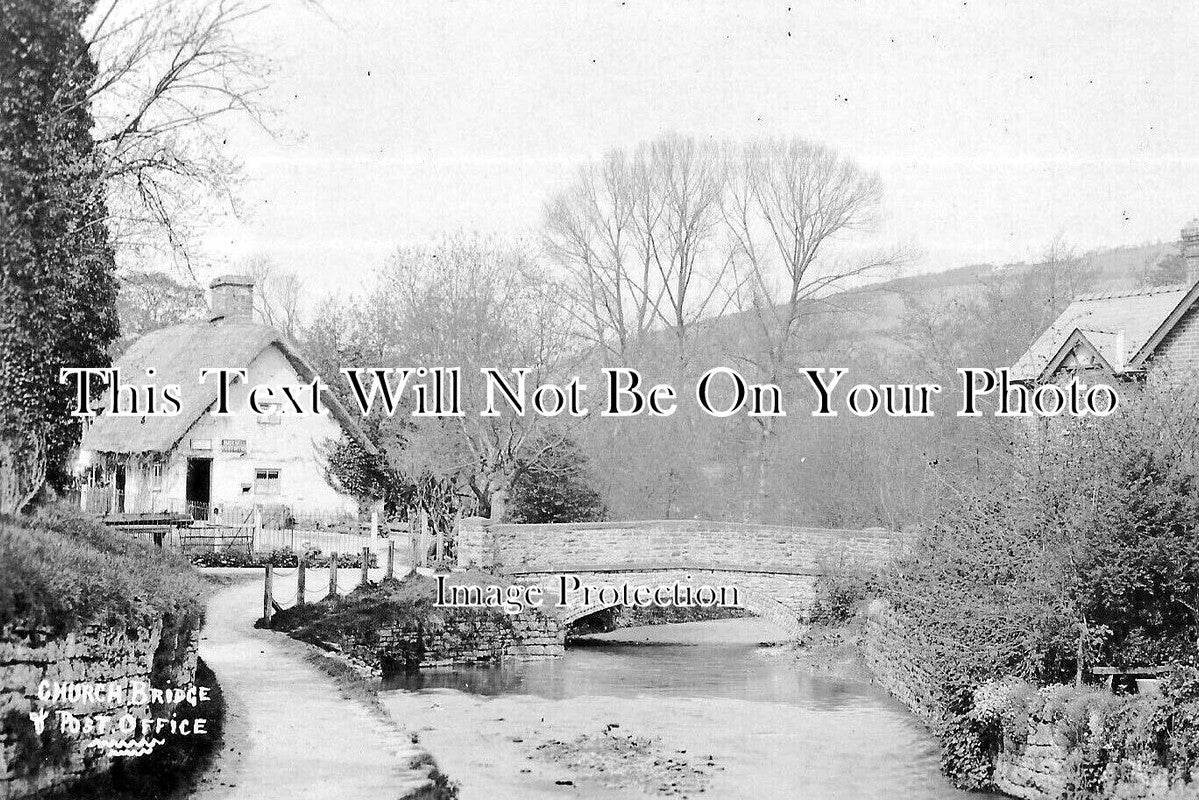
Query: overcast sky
x=994, y=126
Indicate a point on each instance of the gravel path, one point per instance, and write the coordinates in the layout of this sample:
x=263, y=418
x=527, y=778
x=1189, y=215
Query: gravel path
x=291, y=732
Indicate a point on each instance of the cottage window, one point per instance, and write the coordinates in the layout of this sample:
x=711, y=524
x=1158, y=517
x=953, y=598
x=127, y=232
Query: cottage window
x=271, y=414
x=266, y=481
x=201, y=444
x=233, y=445
x=157, y=469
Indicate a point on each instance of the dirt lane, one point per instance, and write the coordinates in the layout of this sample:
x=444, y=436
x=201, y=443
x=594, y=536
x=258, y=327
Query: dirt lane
x=291, y=732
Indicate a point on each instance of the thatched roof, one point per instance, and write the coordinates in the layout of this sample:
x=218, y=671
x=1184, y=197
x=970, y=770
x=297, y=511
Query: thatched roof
x=1123, y=329
x=177, y=354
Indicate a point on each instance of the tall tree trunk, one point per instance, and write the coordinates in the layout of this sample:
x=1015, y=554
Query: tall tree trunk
x=765, y=434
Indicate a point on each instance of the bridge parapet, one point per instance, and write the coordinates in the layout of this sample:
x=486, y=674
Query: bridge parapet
x=672, y=543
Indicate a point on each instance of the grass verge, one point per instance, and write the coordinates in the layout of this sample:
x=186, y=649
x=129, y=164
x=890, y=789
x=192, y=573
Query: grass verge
x=62, y=571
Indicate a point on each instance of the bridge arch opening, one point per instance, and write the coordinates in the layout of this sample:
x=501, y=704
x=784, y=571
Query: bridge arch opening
x=753, y=603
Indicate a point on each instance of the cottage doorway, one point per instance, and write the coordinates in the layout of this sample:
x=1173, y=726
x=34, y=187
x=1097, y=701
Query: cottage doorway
x=199, y=487
x=119, y=481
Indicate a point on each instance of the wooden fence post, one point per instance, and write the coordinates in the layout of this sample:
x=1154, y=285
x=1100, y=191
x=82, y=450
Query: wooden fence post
x=301, y=579
x=366, y=566
x=391, y=559
x=424, y=538
x=333, y=575
x=268, y=596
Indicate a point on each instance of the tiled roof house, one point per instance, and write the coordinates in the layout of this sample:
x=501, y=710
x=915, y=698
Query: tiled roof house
x=1123, y=334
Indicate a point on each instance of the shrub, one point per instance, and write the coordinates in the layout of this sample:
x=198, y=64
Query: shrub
x=1086, y=532
x=970, y=740
x=838, y=593
x=281, y=557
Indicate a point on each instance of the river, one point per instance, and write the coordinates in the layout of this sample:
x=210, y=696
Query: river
x=693, y=710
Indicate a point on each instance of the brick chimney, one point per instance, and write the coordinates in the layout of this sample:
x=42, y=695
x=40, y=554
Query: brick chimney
x=233, y=298
x=1188, y=244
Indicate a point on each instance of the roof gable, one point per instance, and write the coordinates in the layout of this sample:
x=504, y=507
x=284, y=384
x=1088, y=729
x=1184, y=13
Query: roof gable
x=1105, y=347
x=175, y=355
x=1123, y=328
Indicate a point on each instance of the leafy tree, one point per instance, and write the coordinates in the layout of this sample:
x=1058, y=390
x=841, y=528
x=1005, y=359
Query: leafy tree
x=57, y=285
x=555, y=488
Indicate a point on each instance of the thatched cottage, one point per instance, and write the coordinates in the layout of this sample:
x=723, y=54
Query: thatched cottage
x=198, y=463
x=1122, y=335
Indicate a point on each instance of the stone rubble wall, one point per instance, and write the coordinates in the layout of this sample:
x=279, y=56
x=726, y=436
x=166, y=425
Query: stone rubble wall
x=1037, y=770
x=31, y=765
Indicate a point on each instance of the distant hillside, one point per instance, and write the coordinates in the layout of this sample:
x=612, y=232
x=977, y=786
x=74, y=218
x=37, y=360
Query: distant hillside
x=879, y=313
x=1115, y=268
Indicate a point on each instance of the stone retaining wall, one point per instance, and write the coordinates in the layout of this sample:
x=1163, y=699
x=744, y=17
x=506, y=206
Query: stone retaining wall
x=460, y=637
x=1039, y=769
x=32, y=764
x=1039, y=766
x=895, y=652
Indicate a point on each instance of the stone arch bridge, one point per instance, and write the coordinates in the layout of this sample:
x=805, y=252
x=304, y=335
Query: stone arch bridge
x=774, y=568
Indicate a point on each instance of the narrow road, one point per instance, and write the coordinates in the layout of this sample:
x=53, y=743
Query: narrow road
x=291, y=732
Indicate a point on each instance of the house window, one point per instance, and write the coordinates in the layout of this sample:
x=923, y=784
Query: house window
x=233, y=445
x=266, y=481
x=157, y=469
x=271, y=414
x=201, y=444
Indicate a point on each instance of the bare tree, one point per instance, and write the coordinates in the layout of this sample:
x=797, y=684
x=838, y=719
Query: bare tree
x=471, y=303
x=278, y=294
x=634, y=238
x=787, y=204
x=151, y=300
x=678, y=184
x=589, y=232
x=171, y=74
x=1019, y=303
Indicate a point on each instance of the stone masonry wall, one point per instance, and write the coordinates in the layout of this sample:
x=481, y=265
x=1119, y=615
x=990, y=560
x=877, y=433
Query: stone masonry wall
x=894, y=652
x=670, y=543
x=1036, y=770
x=461, y=637
x=31, y=764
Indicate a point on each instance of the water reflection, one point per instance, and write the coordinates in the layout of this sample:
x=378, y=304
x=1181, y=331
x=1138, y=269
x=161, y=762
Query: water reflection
x=620, y=670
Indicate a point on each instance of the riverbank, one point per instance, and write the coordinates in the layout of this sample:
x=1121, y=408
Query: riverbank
x=291, y=729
